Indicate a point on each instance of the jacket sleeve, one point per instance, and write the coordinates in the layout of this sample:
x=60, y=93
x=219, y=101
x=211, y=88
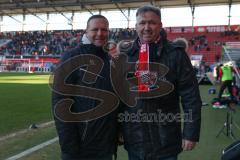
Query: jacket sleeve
x=56, y=96
x=188, y=90
x=67, y=131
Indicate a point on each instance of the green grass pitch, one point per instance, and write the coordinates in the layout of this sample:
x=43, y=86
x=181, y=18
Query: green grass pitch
x=26, y=99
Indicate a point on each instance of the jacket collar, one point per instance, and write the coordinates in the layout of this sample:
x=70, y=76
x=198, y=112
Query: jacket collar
x=85, y=40
x=159, y=45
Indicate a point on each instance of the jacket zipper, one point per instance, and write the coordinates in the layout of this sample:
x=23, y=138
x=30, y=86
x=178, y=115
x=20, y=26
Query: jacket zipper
x=84, y=132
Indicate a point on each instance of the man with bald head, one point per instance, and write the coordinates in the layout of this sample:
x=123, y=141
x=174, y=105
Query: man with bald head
x=92, y=138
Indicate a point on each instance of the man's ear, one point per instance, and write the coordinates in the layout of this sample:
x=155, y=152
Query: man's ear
x=86, y=33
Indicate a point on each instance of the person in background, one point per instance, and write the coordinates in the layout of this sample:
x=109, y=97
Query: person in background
x=226, y=75
x=218, y=78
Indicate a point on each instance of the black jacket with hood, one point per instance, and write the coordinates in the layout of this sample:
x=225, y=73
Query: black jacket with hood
x=88, y=140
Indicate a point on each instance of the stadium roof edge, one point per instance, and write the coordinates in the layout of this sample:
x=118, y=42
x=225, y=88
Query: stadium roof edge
x=13, y=7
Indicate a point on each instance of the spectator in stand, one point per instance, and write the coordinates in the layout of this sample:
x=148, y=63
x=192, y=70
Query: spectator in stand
x=27, y=43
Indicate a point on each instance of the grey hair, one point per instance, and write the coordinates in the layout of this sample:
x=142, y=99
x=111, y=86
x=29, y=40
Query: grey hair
x=148, y=8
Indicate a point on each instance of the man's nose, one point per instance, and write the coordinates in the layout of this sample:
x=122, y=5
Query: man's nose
x=146, y=26
x=99, y=32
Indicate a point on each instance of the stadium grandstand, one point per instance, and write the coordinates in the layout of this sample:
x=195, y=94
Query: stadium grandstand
x=43, y=45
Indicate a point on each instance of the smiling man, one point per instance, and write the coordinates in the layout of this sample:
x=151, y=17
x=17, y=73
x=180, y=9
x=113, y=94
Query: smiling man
x=97, y=30
x=161, y=138
x=92, y=138
x=148, y=27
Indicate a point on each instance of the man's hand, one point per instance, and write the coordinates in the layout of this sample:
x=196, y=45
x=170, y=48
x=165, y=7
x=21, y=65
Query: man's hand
x=113, y=52
x=113, y=49
x=120, y=139
x=188, y=145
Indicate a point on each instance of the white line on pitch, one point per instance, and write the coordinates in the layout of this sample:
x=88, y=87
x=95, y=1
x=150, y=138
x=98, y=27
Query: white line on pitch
x=25, y=131
x=33, y=149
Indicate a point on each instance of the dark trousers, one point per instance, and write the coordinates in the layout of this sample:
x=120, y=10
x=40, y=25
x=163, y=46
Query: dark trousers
x=109, y=157
x=226, y=84
x=137, y=156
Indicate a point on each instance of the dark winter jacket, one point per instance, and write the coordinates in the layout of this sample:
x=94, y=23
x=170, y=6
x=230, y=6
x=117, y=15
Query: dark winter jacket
x=159, y=136
x=89, y=139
